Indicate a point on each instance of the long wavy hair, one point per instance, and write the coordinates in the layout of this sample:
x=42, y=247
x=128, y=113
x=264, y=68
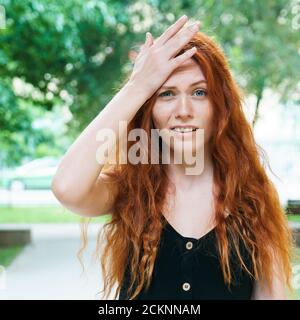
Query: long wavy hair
x=130, y=239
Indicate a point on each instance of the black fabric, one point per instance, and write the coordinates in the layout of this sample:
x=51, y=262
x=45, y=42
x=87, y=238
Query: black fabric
x=198, y=266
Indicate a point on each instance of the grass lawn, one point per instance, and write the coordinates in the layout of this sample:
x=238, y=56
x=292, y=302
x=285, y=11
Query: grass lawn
x=51, y=214
x=294, y=217
x=8, y=254
x=55, y=214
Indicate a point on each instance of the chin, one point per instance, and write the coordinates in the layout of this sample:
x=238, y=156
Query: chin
x=186, y=154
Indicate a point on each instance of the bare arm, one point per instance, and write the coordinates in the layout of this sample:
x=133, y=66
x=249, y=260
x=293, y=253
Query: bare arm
x=277, y=291
x=78, y=183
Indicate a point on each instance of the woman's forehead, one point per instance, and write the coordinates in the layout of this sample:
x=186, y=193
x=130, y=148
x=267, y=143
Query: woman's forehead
x=188, y=69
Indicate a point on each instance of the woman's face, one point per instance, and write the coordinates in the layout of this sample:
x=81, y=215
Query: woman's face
x=182, y=101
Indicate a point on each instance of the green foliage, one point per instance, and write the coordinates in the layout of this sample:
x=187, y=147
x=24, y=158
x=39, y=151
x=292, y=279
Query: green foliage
x=75, y=54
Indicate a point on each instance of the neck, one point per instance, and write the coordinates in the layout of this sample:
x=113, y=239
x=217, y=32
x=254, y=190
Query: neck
x=177, y=172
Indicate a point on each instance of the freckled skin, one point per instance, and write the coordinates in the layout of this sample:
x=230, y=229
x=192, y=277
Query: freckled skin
x=184, y=104
x=191, y=210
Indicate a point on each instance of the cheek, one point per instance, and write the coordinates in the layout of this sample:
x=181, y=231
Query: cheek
x=204, y=112
x=204, y=116
x=207, y=124
x=159, y=116
x=208, y=116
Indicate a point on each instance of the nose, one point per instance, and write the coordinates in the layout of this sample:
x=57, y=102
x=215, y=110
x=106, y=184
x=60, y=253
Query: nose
x=184, y=109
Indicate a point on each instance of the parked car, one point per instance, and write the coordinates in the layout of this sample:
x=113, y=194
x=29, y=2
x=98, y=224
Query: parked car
x=36, y=174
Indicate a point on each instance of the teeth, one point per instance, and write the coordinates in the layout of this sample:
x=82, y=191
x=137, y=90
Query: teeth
x=184, y=129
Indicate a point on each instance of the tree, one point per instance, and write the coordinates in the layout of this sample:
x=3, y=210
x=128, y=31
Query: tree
x=76, y=53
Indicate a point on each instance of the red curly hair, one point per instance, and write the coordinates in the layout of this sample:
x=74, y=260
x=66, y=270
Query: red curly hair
x=256, y=217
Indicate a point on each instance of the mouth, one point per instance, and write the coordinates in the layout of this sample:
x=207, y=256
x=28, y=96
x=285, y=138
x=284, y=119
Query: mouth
x=184, y=129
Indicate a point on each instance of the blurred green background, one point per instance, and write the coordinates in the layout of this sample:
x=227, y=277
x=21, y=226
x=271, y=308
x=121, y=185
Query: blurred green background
x=62, y=61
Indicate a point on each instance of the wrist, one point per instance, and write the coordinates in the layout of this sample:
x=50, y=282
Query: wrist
x=138, y=90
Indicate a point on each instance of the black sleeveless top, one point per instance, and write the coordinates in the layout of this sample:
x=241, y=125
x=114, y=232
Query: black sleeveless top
x=189, y=268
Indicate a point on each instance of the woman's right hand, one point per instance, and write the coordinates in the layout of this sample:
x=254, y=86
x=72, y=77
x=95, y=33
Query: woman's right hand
x=155, y=61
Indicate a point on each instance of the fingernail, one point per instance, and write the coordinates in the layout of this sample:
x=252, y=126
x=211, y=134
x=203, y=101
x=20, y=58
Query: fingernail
x=183, y=17
x=195, y=25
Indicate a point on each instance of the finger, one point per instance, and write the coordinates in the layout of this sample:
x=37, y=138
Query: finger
x=183, y=57
x=173, y=29
x=151, y=39
x=176, y=43
x=148, y=39
x=147, y=42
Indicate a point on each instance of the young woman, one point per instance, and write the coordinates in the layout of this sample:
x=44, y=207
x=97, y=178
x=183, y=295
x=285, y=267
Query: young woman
x=220, y=234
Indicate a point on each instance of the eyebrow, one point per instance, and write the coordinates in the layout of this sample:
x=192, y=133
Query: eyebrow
x=172, y=87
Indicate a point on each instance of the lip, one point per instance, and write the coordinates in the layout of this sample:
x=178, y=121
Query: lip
x=188, y=133
x=181, y=133
x=184, y=126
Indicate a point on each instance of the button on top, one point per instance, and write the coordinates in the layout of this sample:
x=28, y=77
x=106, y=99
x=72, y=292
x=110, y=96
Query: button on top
x=186, y=286
x=189, y=245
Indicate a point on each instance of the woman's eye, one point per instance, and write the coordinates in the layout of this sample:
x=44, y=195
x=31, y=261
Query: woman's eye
x=202, y=91
x=162, y=94
x=165, y=93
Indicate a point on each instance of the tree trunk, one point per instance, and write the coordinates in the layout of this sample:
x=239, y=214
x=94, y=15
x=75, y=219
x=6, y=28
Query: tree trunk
x=256, y=114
